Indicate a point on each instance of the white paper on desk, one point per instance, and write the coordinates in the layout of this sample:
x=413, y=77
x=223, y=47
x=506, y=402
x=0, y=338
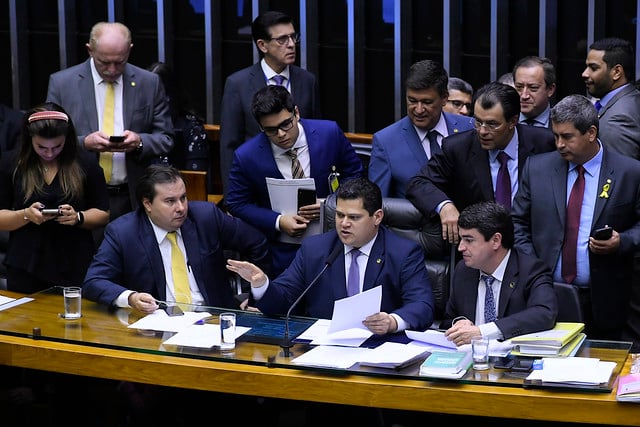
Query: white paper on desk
x=352, y=337
x=160, y=321
x=4, y=299
x=317, y=330
x=201, y=336
x=431, y=336
x=283, y=195
x=14, y=302
x=349, y=312
x=328, y=356
x=573, y=370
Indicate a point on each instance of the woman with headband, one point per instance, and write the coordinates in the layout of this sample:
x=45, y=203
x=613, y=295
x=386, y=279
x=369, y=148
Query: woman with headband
x=52, y=194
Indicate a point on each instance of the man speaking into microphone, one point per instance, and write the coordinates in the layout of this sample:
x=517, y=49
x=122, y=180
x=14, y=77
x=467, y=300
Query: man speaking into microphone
x=360, y=254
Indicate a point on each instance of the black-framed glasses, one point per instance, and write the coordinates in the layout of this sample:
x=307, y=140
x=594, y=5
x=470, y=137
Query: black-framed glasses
x=284, y=126
x=282, y=40
x=459, y=104
x=489, y=125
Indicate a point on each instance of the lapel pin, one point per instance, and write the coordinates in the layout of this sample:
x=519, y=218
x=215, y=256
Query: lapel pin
x=133, y=84
x=512, y=285
x=379, y=261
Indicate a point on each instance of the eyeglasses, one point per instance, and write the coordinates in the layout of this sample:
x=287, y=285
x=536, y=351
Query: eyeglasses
x=459, y=104
x=282, y=40
x=284, y=126
x=490, y=126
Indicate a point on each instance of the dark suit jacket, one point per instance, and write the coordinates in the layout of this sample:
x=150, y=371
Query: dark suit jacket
x=461, y=173
x=619, y=127
x=237, y=123
x=129, y=256
x=539, y=213
x=10, y=127
x=395, y=263
x=247, y=196
x=145, y=111
x=527, y=300
x=397, y=153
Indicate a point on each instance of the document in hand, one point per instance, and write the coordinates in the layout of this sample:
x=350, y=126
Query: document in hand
x=559, y=336
x=628, y=388
x=536, y=350
x=446, y=364
x=283, y=196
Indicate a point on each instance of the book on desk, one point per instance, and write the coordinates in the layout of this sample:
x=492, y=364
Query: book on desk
x=540, y=350
x=446, y=364
x=558, y=336
x=628, y=388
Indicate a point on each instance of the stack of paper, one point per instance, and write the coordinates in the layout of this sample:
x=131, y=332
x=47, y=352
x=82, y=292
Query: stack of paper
x=628, y=388
x=537, y=350
x=573, y=371
x=561, y=340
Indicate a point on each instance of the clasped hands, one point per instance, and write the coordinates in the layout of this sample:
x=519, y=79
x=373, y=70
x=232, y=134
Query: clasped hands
x=67, y=214
x=99, y=141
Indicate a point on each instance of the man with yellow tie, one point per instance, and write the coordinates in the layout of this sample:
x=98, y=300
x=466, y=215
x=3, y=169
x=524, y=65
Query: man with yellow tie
x=120, y=111
x=170, y=249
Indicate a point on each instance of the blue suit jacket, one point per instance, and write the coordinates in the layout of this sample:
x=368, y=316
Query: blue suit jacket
x=539, y=213
x=248, y=198
x=527, y=301
x=145, y=111
x=395, y=263
x=397, y=153
x=461, y=173
x=237, y=123
x=129, y=256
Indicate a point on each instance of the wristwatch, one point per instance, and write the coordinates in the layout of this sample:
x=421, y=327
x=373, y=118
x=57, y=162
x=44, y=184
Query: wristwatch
x=139, y=147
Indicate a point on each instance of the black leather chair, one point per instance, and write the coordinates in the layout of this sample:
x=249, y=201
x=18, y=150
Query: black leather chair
x=569, y=309
x=403, y=218
x=4, y=243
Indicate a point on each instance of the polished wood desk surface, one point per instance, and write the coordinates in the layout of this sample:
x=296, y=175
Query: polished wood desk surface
x=100, y=345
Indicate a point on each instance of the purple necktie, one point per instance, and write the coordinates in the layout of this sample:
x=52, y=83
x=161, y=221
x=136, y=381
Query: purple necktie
x=489, y=300
x=597, y=105
x=503, y=182
x=278, y=79
x=353, y=282
x=574, y=208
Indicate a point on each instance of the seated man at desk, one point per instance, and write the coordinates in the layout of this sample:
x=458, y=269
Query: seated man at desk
x=142, y=258
x=498, y=291
x=366, y=255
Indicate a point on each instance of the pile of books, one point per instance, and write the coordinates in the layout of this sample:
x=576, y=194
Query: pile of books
x=563, y=340
x=446, y=364
x=628, y=388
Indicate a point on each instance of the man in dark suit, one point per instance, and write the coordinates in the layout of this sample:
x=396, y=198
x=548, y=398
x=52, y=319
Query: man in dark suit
x=535, y=80
x=140, y=111
x=321, y=149
x=401, y=149
x=498, y=292
x=386, y=259
x=275, y=38
x=10, y=126
x=600, y=269
x=133, y=266
x=466, y=172
x=609, y=77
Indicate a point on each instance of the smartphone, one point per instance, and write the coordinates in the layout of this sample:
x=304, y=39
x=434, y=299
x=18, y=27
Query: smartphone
x=173, y=310
x=51, y=211
x=522, y=365
x=504, y=363
x=116, y=138
x=603, y=233
x=306, y=197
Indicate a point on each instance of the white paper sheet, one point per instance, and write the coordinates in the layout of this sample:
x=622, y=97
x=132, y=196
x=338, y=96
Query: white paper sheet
x=573, y=370
x=431, y=336
x=283, y=195
x=201, y=336
x=14, y=302
x=160, y=321
x=331, y=357
x=349, y=312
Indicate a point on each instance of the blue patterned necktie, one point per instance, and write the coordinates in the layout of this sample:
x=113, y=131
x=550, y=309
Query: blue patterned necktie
x=597, y=105
x=278, y=79
x=353, y=282
x=489, y=301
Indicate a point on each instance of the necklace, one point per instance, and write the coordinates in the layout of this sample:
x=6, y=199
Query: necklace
x=46, y=169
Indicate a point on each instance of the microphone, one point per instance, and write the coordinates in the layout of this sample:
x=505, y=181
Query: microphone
x=286, y=342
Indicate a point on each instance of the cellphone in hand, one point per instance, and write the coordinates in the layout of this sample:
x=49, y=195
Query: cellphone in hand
x=306, y=197
x=51, y=211
x=116, y=138
x=603, y=233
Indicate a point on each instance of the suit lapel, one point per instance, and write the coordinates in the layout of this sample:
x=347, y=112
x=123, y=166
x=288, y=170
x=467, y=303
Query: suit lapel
x=509, y=282
x=410, y=137
x=86, y=89
x=376, y=261
x=190, y=240
x=129, y=95
x=479, y=159
x=257, y=78
x=559, y=188
x=605, y=188
x=615, y=98
x=152, y=253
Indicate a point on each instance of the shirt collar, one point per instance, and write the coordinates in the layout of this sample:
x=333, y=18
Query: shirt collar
x=605, y=99
x=269, y=72
x=97, y=79
x=365, y=249
x=511, y=149
x=498, y=273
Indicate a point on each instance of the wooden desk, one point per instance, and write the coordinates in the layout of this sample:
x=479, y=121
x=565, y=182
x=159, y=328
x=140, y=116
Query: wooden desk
x=147, y=366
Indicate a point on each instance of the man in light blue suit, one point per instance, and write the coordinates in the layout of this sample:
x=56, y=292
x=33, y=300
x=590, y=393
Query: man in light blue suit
x=321, y=149
x=385, y=259
x=401, y=149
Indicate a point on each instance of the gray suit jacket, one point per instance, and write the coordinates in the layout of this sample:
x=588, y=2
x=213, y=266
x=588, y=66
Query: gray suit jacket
x=146, y=111
x=237, y=123
x=539, y=213
x=620, y=122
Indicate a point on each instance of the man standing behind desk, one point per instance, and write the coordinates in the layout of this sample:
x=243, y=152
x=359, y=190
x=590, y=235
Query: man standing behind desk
x=275, y=38
x=368, y=255
x=498, y=292
x=138, y=261
x=564, y=197
x=106, y=96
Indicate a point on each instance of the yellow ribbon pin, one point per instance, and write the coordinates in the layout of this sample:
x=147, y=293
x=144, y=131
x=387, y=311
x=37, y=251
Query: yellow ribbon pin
x=605, y=190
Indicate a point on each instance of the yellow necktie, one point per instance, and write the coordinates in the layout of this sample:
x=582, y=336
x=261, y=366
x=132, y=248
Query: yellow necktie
x=108, y=117
x=179, y=271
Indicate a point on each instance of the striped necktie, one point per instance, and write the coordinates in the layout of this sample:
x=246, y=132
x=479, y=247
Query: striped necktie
x=296, y=167
x=108, y=119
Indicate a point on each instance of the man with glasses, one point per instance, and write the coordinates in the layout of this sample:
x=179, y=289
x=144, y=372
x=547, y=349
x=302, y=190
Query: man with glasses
x=402, y=148
x=460, y=97
x=535, y=81
x=288, y=145
x=139, y=112
x=479, y=165
x=276, y=39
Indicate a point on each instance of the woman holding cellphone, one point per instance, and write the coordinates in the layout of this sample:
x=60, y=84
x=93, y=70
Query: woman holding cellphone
x=52, y=194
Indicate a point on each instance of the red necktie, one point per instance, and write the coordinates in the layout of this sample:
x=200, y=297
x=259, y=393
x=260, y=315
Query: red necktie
x=574, y=207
